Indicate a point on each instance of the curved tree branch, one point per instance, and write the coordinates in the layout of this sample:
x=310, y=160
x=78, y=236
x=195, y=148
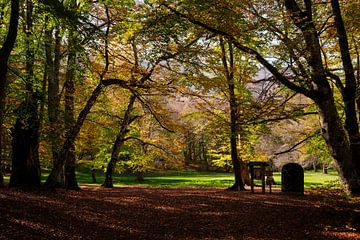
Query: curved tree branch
x=279, y=76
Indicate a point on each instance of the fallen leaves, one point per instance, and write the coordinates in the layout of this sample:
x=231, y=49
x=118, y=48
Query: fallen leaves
x=173, y=213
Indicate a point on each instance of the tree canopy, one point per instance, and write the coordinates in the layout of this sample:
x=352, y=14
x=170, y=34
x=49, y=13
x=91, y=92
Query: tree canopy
x=136, y=85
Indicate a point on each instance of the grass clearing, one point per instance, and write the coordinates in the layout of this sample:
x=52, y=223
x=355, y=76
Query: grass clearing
x=188, y=178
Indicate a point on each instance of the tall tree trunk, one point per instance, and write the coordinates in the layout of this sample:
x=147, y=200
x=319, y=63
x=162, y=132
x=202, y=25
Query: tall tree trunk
x=229, y=74
x=120, y=138
x=4, y=58
x=1, y=159
x=349, y=95
x=342, y=143
x=70, y=176
x=52, y=71
x=338, y=142
x=357, y=78
x=25, y=144
x=75, y=128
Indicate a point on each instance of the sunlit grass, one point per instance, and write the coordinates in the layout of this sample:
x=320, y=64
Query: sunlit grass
x=209, y=179
x=187, y=178
x=316, y=179
x=167, y=178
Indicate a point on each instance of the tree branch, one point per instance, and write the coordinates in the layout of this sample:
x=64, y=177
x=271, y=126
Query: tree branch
x=145, y=143
x=337, y=80
x=152, y=112
x=280, y=77
x=298, y=144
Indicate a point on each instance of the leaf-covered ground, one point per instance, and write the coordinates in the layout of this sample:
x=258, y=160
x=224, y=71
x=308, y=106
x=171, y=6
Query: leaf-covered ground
x=175, y=213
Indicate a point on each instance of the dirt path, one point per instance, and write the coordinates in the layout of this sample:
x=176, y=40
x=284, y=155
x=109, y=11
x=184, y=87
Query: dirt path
x=173, y=213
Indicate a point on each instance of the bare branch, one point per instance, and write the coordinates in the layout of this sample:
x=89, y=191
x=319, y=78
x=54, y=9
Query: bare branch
x=293, y=148
x=337, y=80
x=145, y=143
x=152, y=112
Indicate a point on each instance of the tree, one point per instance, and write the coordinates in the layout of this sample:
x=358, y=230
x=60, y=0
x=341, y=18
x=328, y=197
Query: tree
x=70, y=178
x=229, y=69
x=25, y=133
x=299, y=31
x=5, y=52
x=119, y=141
x=73, y=130
x=317, y=150
x=52, y=76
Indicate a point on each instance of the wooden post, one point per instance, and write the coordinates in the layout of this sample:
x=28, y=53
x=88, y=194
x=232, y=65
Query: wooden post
x=263, y=179
x=252, y=178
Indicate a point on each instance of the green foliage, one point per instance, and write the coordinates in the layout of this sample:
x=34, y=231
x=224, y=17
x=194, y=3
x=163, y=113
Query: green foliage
x=141, y=163
x=220, y=160
x=316, y=148
x=101, y=158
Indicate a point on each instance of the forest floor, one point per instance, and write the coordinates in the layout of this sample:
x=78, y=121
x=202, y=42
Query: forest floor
x=176, y=213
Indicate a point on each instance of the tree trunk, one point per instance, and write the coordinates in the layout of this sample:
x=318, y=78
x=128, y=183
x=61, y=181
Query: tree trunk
x=4, y=57
x=349, y=95
x=25, y=144
x=325, y=168
x=5, y=53
x=357, y=74
x=343, y=143
x=1, y=177
x=338, y=142
x=93, y=175
x=120, y=138
x=1, y=158
x=52, y=67
x=140, y=177
x=51, y=181
x=70, y=176
x=229, y=74
x=314, y=166
x=75, y=129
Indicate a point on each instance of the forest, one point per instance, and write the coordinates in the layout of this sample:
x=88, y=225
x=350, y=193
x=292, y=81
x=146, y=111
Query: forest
x=106, y=89
x=133, y=86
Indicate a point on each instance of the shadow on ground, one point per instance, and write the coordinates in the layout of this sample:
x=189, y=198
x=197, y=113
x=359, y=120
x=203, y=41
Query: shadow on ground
x=173, y=213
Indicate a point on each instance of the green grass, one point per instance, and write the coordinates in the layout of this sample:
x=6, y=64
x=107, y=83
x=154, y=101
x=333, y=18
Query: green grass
x=187, y=178
x=169, y=178
x=316, y=179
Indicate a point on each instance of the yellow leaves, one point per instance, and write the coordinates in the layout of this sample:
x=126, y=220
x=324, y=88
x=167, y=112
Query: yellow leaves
x=173, y=47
